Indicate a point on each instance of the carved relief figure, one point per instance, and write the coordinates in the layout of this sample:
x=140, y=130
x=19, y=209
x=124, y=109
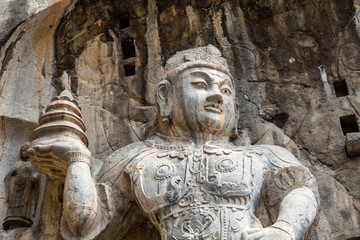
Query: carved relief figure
x=190, y=177
x=22, y=190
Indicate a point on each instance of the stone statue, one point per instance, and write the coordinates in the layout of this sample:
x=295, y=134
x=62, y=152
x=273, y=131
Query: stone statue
x=22, y=190
x=190, y=178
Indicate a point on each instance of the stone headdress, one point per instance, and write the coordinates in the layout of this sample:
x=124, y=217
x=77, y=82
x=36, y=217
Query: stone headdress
x=208, y=56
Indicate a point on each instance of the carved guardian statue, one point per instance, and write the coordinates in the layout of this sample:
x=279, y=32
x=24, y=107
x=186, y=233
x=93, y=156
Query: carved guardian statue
x=191, y=178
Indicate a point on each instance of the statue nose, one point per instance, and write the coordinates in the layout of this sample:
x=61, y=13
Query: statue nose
x=215, y=96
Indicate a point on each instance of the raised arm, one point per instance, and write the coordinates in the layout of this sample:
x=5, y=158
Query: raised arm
x=59, y=150
x=81, y=207
x=101, y=207
x=68, y=160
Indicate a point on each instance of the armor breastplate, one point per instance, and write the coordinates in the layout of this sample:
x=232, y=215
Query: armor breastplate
x=195, y=192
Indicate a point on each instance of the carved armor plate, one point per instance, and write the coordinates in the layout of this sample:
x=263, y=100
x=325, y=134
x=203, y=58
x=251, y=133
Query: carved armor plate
x=202, y=193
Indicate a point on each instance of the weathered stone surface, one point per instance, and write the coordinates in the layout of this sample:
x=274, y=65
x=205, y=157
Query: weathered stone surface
x=14, y=12
x=353, y=144
x=283, y=43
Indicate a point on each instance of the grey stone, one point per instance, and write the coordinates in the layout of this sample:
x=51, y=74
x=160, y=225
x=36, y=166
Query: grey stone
x=273, y=48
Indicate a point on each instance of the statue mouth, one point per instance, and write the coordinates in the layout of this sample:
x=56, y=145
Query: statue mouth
x=213, y=107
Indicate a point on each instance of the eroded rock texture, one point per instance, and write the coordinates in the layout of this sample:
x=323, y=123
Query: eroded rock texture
x=296, y=65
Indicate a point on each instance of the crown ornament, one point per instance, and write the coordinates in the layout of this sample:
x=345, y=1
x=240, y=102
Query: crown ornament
x=208, y=56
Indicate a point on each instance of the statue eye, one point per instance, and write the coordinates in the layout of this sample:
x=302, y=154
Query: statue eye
x=226, y=91
x=200, y=84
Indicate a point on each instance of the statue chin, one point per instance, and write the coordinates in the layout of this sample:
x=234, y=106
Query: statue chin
x=214, y=126
x=215, y=123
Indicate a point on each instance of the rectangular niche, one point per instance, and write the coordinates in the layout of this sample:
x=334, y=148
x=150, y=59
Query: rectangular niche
x=128, y=48
x=280, y=119
x=349, y=124
x=124, y=22
x=341, y=89
x=129, y=69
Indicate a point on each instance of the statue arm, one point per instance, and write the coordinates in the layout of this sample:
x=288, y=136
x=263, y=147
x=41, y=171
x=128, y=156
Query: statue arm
x=80, y=207
x=59, y=150
x=89, y=202
x=292, y=198
x=90, y=206
x=292, y=195
x=68, y=160
x=297, y=211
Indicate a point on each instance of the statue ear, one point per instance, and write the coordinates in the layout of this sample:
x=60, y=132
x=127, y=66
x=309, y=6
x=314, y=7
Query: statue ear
x=163, y=100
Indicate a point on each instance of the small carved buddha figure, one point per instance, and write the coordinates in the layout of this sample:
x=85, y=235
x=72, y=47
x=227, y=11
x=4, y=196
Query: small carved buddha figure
x=22, y=190
x=190, y=178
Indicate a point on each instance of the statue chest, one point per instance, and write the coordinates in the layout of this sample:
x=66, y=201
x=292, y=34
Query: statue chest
x=193, y=177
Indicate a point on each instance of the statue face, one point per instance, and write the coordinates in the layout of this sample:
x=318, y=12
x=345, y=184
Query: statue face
x=204, y=101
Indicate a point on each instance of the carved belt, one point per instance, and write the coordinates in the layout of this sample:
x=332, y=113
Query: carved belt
x=235, y=204
x=204, y=222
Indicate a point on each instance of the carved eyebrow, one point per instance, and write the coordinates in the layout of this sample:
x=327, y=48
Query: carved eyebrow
x=225, y=80
x=206, y=76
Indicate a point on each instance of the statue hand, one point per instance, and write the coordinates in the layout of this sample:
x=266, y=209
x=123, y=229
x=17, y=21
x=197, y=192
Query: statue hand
x=268, y=233
x=51, y=156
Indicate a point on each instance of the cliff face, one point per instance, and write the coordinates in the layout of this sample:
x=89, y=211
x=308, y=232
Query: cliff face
x=296, y=65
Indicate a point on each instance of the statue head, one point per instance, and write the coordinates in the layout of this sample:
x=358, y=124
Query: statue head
x=197, y=94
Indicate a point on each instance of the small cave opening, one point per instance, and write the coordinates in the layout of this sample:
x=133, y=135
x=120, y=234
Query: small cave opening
x=341, y=89
x=280, y=119
x=128, y=48
x=349, y=124
x=12, y=224
x=353, y=238
x=124, y=22
x=129, y=70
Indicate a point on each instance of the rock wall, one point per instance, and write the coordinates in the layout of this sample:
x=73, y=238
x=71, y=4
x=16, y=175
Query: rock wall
x=296, y=65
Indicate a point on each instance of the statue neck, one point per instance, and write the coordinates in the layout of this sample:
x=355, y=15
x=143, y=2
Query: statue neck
x=198, y=138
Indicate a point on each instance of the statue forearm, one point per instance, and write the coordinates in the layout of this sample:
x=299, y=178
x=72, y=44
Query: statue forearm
x=297, y=211
x=80, y=197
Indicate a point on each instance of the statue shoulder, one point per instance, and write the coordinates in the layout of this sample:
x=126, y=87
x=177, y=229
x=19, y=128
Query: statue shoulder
x=116, y=163
x=278, y=156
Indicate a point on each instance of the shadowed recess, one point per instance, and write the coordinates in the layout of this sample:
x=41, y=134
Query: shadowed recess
x=124, y=22
x=129, y=70
x=128, y=48
x=341, y=88
x=349, y=124
x=280, y=119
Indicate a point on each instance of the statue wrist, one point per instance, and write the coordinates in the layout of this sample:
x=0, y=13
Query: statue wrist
x=75, y=157
x=285, y=227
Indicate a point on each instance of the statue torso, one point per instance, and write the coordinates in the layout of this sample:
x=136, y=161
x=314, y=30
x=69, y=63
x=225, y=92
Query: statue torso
x=198, y=192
